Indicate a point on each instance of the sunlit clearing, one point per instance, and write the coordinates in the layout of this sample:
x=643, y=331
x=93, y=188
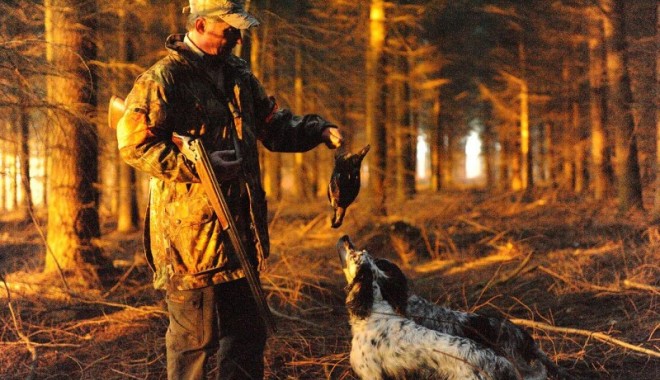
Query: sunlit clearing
x=472, y=155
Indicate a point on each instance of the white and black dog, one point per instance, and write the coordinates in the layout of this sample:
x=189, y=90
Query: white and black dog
x=397, y=336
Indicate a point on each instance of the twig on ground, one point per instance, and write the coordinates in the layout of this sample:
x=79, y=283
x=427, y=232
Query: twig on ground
x=507, y=277
x=575, y=283
x=121, y=280
x=590, y=334
x=304, y=229
x=477, y=225
x=292, y=318
x=28, y=343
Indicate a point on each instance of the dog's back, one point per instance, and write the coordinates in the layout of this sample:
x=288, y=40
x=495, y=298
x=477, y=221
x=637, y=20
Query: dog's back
x=386, y=345
x=500, y=335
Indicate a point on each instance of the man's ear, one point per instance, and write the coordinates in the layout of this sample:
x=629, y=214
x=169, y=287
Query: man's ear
x=200, y=25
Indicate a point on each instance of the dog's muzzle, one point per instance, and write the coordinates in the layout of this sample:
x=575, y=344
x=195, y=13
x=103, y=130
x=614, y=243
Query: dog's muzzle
x=344, y=248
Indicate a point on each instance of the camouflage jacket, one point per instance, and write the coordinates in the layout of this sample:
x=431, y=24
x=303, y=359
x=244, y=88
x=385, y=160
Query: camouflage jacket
x=184, y=242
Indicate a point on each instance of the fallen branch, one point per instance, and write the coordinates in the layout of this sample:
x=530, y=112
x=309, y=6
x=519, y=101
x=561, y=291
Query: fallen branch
x=591, y=334
x=637, y=286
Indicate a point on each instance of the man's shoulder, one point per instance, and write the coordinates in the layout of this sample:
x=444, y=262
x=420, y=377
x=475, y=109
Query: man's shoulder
x=166, y=68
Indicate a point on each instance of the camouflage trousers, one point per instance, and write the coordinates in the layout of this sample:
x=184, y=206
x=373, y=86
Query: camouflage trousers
x=222, y=318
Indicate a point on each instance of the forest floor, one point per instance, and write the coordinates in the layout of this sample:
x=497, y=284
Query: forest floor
x=581, y=278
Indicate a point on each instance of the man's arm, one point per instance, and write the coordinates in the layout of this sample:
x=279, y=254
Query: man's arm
x=281, y=131
x=145, y=141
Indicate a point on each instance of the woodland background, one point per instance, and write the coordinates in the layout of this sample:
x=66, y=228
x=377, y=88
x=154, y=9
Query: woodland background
x=551, y=220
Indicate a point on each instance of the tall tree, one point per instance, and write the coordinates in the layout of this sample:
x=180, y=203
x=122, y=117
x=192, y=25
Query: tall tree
x=73, y=220
x=26, y=205
x=629, y=186
x=127, y=205
x=375, y=107
x=657, y=114
x=597, y=106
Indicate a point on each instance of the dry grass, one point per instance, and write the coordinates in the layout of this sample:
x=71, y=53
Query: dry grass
x=557, y=264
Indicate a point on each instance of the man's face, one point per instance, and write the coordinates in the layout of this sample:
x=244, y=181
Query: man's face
x=219, y=37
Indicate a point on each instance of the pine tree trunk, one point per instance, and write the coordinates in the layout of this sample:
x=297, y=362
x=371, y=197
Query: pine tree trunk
x=527, y=181
x=568, y=138
x=435, y=145
x=73, y=220
x=26, y=205
x=488, y=153
x=447, y=155
x=409, y=138
x=597, y=78
x=14, y=173
x=656, y=211
x=300, y=166
x=128, y=217
x=375, y=108
x=272, y=162
x=4, y=129
x=629, y=187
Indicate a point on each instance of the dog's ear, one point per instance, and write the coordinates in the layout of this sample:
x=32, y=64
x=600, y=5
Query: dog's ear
x=361, y=292
x=395, y=287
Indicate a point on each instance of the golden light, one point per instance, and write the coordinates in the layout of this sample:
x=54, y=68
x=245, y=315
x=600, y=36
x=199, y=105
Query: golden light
x=473, y=167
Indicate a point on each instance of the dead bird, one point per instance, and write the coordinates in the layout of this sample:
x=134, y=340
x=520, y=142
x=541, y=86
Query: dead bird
x=344, y=183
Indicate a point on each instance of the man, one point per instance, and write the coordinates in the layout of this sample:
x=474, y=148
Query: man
x=201, y=89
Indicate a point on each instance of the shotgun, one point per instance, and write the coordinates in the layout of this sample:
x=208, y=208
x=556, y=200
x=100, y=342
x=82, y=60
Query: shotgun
x=194, y=150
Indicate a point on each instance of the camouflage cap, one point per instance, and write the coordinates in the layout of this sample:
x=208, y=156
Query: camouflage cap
x=230, y=11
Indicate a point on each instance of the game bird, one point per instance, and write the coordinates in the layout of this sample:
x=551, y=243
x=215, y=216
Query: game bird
x=344, y=183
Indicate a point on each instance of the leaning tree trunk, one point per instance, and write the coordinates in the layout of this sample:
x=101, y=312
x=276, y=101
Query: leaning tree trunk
x=629, y=186
x=73, y=220
x=375, y=108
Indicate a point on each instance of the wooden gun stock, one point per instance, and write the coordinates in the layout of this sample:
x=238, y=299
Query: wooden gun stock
x=116, y=110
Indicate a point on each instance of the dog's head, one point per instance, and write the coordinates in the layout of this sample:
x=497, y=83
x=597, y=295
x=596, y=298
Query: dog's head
x=371, y=280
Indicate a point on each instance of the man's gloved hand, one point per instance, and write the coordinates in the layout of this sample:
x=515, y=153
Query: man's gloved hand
x=225, y=164
x=332, y=137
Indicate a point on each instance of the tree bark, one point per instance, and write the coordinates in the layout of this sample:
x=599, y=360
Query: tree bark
x=597, y=109
x=73, y=220
x=526, y=177
x=657, y=115
x=26, y=206
x=128, y=217
x=629, y=186
x=300, y=167
x=375, y=108
x=435, y=145
x=409, y=135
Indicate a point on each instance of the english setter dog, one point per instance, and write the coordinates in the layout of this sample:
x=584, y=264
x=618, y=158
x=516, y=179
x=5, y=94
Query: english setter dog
x=397, y=336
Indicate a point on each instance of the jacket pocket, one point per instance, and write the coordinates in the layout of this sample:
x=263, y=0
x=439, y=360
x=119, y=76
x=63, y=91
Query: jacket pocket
x=191, y=227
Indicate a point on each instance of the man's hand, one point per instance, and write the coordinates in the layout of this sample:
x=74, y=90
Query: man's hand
x=224, y=164
x=332, y=137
